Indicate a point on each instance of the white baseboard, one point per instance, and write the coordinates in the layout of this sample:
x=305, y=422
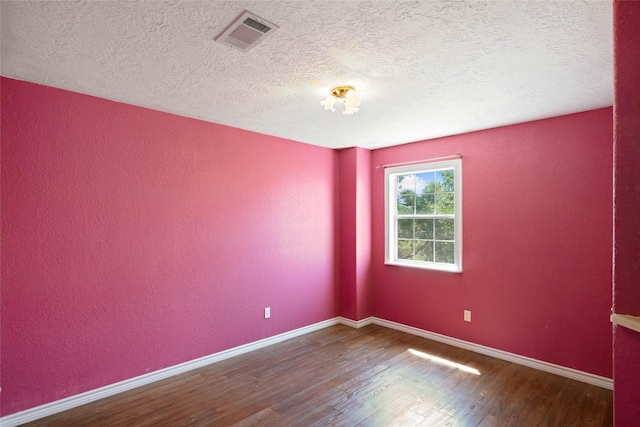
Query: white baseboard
x=574, y=374
x=355, y=323
x=90, y=396
x=122, y=386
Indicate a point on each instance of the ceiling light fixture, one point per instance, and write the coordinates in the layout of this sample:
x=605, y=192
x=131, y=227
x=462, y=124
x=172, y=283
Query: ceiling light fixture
x=348, y=93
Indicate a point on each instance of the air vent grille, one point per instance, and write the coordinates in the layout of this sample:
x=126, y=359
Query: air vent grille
x=246, y=32
x=245, y=35
x=255, y=24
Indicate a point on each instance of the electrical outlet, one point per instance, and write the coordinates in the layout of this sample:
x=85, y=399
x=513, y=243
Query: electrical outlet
x=467, y=316
x=267, y=312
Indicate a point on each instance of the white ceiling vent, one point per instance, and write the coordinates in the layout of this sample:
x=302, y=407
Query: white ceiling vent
x=246, y=32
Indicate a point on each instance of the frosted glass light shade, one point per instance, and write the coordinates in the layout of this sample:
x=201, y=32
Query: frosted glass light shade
x=351, y=102
x=328, y=103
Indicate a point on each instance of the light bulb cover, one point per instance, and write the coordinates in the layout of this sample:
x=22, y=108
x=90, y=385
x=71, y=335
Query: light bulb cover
x=328, y=103
x=351, y=102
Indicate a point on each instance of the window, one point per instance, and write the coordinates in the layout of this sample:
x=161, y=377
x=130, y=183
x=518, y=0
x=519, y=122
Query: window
x=424, y=216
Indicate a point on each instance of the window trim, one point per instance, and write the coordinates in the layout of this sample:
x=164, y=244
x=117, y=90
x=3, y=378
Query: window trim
x=390, y=220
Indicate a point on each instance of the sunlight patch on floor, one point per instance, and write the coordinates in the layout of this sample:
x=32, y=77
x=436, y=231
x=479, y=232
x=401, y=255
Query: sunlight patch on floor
x=445, y=362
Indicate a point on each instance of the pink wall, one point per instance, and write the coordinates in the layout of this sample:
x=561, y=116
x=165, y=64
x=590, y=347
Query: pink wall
x=355, y=233
x=626, y=273
x=133, y=240
x=348, y=235
x=537, y=243
x=363, y=222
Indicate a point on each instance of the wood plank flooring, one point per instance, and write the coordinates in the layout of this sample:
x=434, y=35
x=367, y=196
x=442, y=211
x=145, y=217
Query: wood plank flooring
x=341, y=376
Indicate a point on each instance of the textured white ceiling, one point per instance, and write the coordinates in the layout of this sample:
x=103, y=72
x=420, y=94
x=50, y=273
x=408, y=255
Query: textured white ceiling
x=423, y=68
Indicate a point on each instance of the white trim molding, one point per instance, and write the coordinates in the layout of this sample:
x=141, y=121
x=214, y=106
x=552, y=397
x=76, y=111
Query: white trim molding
x=573, y=374
x=57, y=406
x=355, y=323
x=92, y=395
x=630, y=322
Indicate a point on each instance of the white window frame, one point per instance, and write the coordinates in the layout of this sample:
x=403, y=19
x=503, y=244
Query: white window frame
x=391, y=215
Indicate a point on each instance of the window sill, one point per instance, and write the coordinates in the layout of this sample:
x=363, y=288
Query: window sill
x=434, y=267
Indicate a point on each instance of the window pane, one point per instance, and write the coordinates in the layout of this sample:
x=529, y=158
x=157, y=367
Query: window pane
x=405, y=249
x=424, y=229
x=425, y=182
x=406, y=183
x=444, y=203
x=425, y=204
x=424, y=250
x=444, y=252
x=405, y=229
x=444, y=229
x=406, y=203
x=445, y=178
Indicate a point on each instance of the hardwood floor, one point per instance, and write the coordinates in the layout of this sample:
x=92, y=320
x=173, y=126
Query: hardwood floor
x=341, y=376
